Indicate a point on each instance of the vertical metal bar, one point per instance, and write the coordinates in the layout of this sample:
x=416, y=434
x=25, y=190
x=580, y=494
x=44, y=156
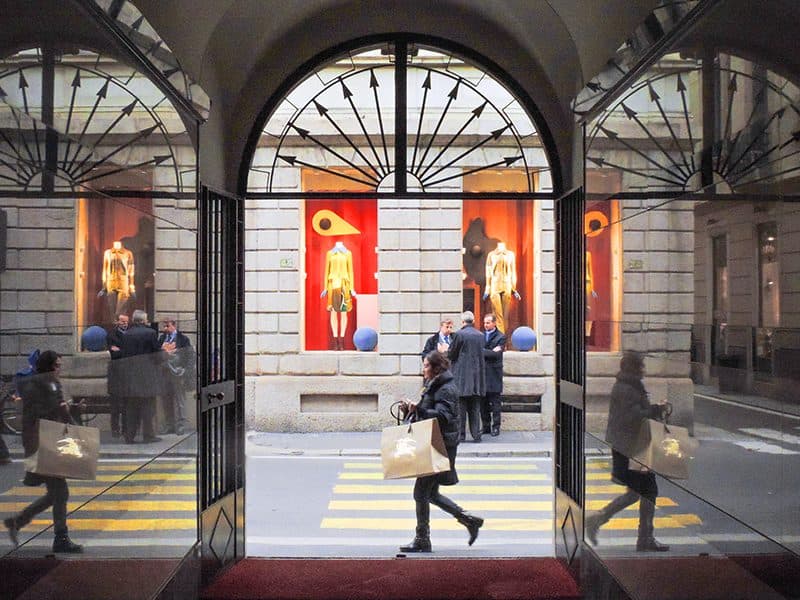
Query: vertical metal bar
x=50, y=135
x=710, y=103
x=401, y=116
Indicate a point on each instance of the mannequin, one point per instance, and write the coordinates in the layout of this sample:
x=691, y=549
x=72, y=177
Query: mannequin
x=501, y=282
x=117, y=277
x=338, y=284
x=590, y=293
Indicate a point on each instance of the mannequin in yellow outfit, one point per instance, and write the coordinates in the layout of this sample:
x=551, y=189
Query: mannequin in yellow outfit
x=590, y=293
x=117, y=277
x=338, y=284
x=501, y=282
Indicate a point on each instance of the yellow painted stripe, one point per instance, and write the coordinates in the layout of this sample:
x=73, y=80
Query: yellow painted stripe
x=459, y=490
x=474, y=505
x=146, y=476
x=460, y=467
x=115, y=505
x=667, y=522
x=394, y=524
x=605, y=489
x=130, y=467
x=119, y=490
x=462, y=476
x=77, y=524
x=660, y=501
x=437, y=524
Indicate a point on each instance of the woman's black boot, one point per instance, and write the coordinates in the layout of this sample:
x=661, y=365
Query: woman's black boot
x=473, y=524
x=422, y=539
x=62, y=543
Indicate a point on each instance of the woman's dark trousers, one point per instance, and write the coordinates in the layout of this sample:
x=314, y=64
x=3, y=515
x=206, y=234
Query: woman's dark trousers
x=56, y=496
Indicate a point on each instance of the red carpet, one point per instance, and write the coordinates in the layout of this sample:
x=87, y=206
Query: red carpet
x=390, y=579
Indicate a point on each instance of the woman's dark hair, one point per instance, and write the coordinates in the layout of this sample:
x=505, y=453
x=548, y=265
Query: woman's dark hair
x=632, y=362
x=46, y=363
x=439, y=362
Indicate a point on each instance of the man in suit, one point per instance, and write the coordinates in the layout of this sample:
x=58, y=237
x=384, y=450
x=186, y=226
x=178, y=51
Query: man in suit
x=115, y=375
x=440, y=340
x=176, y=368
x=140, y=372
x=466, y=356
x=494, y=344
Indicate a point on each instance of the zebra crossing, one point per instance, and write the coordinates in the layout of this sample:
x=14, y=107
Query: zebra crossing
x=514, y=496
x=131, y=503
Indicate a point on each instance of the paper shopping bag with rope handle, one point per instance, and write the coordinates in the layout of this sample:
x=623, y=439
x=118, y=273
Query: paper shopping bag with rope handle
x=669, y=450
x=65, y=450
x=413, y=450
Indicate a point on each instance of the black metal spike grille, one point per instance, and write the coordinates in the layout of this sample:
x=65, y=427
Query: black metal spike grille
x=759, y=148
x=351, y=126
x=74, y=136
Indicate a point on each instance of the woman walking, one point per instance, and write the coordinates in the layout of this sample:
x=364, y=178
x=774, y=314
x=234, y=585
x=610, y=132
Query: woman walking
x=439, y=400
x=43, y=399
x=629, y=409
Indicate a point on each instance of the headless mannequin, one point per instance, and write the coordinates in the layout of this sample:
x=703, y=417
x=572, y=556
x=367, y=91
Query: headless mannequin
x=501, y=282
x=590, y=293
x=117, y=278
x=338, y=288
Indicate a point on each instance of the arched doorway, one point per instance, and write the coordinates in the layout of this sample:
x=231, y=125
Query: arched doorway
x=419, y=161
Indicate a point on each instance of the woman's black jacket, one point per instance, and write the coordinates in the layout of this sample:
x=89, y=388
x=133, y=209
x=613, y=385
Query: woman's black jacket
x=440, y=400
x=41, y=399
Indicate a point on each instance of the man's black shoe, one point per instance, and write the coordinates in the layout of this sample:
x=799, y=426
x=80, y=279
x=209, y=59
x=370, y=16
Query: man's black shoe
x=651, y=545
x=495, y=432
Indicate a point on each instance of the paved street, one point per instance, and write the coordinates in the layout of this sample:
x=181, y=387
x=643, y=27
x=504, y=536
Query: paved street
x=324, y=495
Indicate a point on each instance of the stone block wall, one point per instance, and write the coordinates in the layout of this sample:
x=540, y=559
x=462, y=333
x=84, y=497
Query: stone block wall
x=419, y=282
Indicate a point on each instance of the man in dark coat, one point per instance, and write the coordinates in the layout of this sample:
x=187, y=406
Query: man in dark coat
x=440, y=340
x=140, y=372
x=466, y=354
x=115, y=375
x=494, y=344
x=178, y=355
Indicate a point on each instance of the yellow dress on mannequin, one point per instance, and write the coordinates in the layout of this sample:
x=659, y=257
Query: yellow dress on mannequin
x=501, y=282
x=338, y=283
x=117, y=277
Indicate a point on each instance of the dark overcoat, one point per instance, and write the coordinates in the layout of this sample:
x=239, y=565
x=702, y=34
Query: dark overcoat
x=628, y=409
x=140, y=363
x=494, y=361
x=466, y=356
x=115, y=365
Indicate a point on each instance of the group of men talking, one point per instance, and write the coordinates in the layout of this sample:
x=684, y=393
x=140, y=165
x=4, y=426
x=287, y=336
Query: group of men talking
x=477, y=364
x=145, y=365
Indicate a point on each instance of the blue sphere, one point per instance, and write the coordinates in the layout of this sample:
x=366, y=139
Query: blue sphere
x=523, y=338
x=94, y=339
x=365, y=339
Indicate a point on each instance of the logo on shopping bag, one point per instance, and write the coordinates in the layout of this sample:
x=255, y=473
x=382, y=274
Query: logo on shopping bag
x=405, y=448
x=70, y=446
x=672, y=448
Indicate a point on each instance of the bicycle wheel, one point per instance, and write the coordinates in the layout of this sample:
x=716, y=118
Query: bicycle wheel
x=11, y=415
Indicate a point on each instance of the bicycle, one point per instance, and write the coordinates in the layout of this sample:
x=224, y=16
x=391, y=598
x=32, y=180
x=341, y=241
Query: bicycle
x=10, y=407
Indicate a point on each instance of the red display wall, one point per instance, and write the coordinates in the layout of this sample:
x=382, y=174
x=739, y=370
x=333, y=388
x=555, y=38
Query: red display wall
x=488, y=222
x=597, y=228
x=360, y=215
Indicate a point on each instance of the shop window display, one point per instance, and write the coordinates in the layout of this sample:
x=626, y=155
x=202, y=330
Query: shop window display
x=600, y=223
x=340, y=265
x=116, y=258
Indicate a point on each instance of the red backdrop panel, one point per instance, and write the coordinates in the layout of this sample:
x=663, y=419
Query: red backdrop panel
x=600, y=308
x=363, y=215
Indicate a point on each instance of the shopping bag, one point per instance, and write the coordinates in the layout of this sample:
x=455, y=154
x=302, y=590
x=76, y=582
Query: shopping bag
x=669, y=451
x=65, y=450
x=413, y=450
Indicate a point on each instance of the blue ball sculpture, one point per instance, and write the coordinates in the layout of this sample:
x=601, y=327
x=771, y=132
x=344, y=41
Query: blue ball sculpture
x=365, y=339
x=523, y=338
x=94, y=339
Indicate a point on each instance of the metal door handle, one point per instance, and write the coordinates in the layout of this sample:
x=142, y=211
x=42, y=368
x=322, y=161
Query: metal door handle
x=217, y=396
